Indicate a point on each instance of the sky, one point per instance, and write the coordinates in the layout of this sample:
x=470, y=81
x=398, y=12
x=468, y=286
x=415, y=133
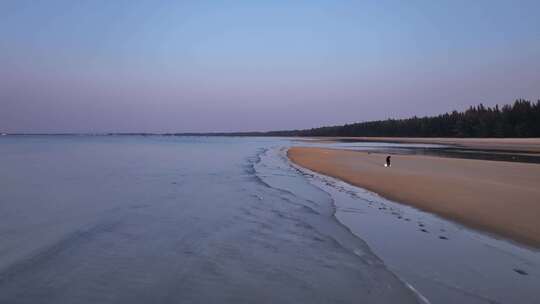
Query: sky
x=205, y=66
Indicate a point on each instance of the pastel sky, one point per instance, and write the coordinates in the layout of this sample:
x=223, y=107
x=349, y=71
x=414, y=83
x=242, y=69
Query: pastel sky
x=182, y=66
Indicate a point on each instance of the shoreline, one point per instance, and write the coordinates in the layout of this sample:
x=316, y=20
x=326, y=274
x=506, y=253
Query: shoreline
x=497, y=197
x=521, y=145
x=390, y=228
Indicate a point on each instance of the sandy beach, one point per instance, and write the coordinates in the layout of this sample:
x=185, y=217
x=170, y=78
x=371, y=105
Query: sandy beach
x=502, y=198
x=523, y=145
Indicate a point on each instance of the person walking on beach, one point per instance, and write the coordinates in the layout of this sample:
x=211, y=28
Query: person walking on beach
x=387, y=161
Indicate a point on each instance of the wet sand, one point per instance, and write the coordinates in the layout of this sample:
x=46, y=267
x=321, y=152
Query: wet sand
x=499, y=197
x=524, y=145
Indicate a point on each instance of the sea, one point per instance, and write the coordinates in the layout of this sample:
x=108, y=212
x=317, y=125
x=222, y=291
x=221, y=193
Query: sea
x=195, y=219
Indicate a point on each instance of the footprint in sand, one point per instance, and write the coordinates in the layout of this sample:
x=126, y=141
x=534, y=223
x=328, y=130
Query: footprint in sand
x=520, y=271
x=442, y=237
x=424, y=230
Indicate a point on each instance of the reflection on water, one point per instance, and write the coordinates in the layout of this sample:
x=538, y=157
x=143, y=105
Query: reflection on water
x=132, y=219
x=433, y=150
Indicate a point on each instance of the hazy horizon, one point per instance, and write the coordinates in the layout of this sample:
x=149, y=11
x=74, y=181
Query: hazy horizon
x=158, y=67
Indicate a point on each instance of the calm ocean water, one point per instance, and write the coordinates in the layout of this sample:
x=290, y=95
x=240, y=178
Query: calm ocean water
x=128, y=219
x=155, y=219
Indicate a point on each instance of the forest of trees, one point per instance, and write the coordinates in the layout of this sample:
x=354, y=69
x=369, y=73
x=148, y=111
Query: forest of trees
x=522, y=119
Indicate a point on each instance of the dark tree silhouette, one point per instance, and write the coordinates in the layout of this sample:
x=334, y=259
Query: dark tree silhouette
x=522, y=119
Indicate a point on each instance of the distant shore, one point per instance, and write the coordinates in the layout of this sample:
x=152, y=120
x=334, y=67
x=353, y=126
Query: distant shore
x=499, y=197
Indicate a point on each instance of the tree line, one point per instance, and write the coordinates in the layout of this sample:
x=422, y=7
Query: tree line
x=520, y=119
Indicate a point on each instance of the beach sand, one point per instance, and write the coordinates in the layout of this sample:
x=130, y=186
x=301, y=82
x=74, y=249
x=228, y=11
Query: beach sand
x=524, y=145
x=499, y=197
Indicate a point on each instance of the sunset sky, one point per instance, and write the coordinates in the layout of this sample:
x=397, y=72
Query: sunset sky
x=183, y=66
